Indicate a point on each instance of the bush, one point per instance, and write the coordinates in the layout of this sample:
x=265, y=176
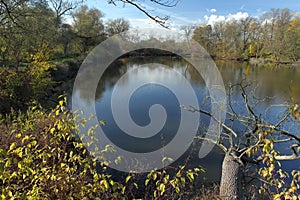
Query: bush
x=41, y=158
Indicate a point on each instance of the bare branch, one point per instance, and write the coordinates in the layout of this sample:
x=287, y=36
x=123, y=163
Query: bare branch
x=158, y=19
x=166, y=3
x=221, y=146
x=193, y=109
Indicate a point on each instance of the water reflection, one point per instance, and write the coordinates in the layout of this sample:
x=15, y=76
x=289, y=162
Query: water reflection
x=275, y=83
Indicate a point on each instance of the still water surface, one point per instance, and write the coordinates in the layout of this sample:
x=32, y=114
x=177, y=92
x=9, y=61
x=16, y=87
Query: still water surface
x=273, y=86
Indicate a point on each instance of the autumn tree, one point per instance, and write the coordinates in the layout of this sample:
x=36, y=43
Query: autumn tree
x=273, y=37
x=88, y=27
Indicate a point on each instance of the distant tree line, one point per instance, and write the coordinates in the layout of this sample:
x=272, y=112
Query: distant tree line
x=274, y=36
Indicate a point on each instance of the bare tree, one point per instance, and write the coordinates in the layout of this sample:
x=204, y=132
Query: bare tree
x=188, y=30
x=116, y=26
x=62, y=7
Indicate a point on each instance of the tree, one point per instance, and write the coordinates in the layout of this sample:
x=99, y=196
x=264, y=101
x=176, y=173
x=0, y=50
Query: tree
x=275, y=37
x=66, y=37
x=245, y=31
x=22, y=19
x=88, y=27
x=31, y=19
x=116, y=26
x=276, y=23
x=255, y=144
x=203, y=35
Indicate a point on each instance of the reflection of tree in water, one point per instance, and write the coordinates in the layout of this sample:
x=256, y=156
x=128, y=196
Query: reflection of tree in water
x=272, y=81
x=118, y=68
x=110, y=77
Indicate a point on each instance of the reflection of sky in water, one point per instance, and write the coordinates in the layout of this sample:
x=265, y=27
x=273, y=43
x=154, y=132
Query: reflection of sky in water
x=140, y=102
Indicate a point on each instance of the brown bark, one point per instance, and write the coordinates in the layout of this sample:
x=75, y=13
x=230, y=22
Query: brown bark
x=231, y=183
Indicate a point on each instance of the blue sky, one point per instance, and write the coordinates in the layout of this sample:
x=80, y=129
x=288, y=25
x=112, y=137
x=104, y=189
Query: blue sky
x=193, y=11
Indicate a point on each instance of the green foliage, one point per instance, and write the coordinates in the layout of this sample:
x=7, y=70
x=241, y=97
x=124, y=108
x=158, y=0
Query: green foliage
x=20, y=87
x=88, y=27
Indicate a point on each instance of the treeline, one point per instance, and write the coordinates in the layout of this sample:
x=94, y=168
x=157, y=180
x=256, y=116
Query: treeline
x=274, y=36
x=29, y=28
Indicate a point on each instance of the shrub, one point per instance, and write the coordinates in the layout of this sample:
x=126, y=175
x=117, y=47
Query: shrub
x=41, y=158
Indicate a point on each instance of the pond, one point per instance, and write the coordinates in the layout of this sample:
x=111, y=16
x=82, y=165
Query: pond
x=273, y=87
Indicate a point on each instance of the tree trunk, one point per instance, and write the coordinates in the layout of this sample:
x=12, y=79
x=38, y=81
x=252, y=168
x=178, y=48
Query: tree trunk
x=231, y=183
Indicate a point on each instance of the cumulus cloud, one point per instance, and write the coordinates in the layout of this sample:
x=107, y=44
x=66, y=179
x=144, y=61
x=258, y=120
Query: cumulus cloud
x=237, y=16
x=213, y=10
x=212, y=19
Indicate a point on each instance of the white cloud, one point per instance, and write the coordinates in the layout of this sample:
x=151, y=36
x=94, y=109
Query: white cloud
x=296, y=14
x=212, y=19
x=237, y=16
x=143, y=22
x=148, y=28
x=213, y=10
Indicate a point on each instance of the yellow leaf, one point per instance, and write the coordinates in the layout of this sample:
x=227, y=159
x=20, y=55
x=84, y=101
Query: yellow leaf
x=12, y=146
x=61, y=103
x=127, y=178
x=162, y=188
x=7, y=163
x=52, y=130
